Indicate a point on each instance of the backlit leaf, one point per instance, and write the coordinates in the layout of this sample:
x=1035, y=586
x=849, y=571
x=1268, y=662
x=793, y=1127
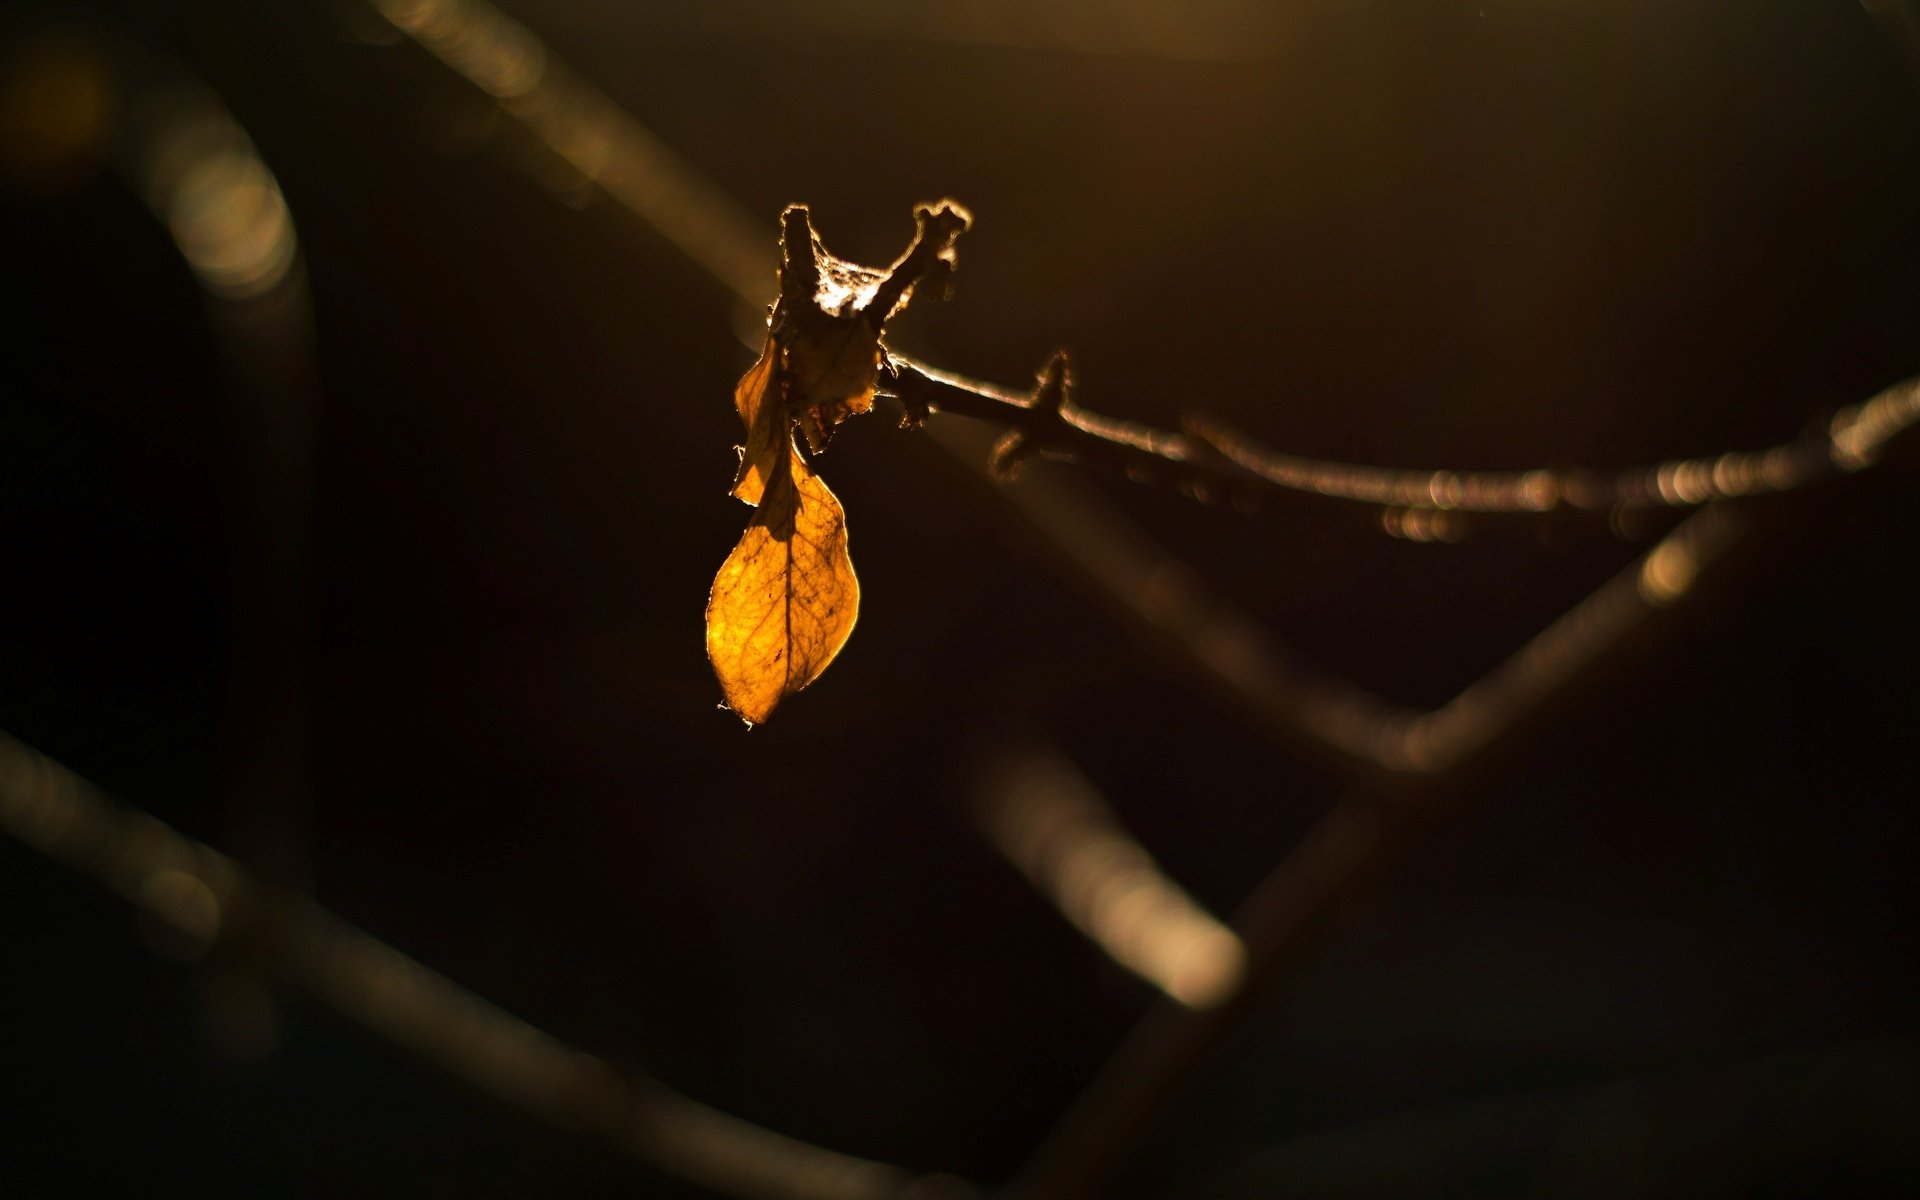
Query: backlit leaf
x=786, y=598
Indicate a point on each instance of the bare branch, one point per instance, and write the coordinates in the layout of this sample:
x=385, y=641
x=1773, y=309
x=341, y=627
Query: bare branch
x=1853, y=439
x=1210, y=460
x=1047, y=423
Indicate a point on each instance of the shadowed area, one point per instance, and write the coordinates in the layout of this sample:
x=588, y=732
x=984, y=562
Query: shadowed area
x=1669, y=948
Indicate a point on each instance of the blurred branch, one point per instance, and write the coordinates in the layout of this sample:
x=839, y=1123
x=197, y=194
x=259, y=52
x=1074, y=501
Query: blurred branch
x=1439, y=755
x=208, y=899
x=174, y=143
x=593, y=135
x=1330, y=867
x=203, y=178
x=1049, y=821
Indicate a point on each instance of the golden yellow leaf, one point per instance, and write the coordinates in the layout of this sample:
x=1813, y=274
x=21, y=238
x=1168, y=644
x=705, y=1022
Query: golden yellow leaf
x=786, y=598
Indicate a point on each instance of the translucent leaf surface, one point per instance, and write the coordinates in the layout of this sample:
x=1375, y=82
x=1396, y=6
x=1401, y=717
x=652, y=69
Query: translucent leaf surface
x=786, y=598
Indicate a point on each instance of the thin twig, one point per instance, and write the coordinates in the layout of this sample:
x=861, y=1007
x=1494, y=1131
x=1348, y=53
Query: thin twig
x=592, y=135
x=1048, y=423
x=1211, y=456
x=1853, y=439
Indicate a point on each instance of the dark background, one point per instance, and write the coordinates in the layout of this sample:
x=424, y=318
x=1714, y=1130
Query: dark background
x=1670, y=951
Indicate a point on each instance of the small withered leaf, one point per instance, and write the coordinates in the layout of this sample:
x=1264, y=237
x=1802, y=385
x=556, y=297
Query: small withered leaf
x=786, y=598
x=831, y=365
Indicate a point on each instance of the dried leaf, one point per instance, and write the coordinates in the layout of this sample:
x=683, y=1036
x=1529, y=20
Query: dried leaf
x=786, y=598
x=832, y=363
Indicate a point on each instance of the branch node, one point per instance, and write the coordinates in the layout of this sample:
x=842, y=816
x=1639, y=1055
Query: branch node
x=1052, y=393
x=915, y=409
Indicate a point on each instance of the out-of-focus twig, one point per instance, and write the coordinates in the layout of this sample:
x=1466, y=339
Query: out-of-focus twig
x=208, y=899
x=1305, y=894
x=91, y=97
x=203, y=178
x=596, y=137
x=1047, y=819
